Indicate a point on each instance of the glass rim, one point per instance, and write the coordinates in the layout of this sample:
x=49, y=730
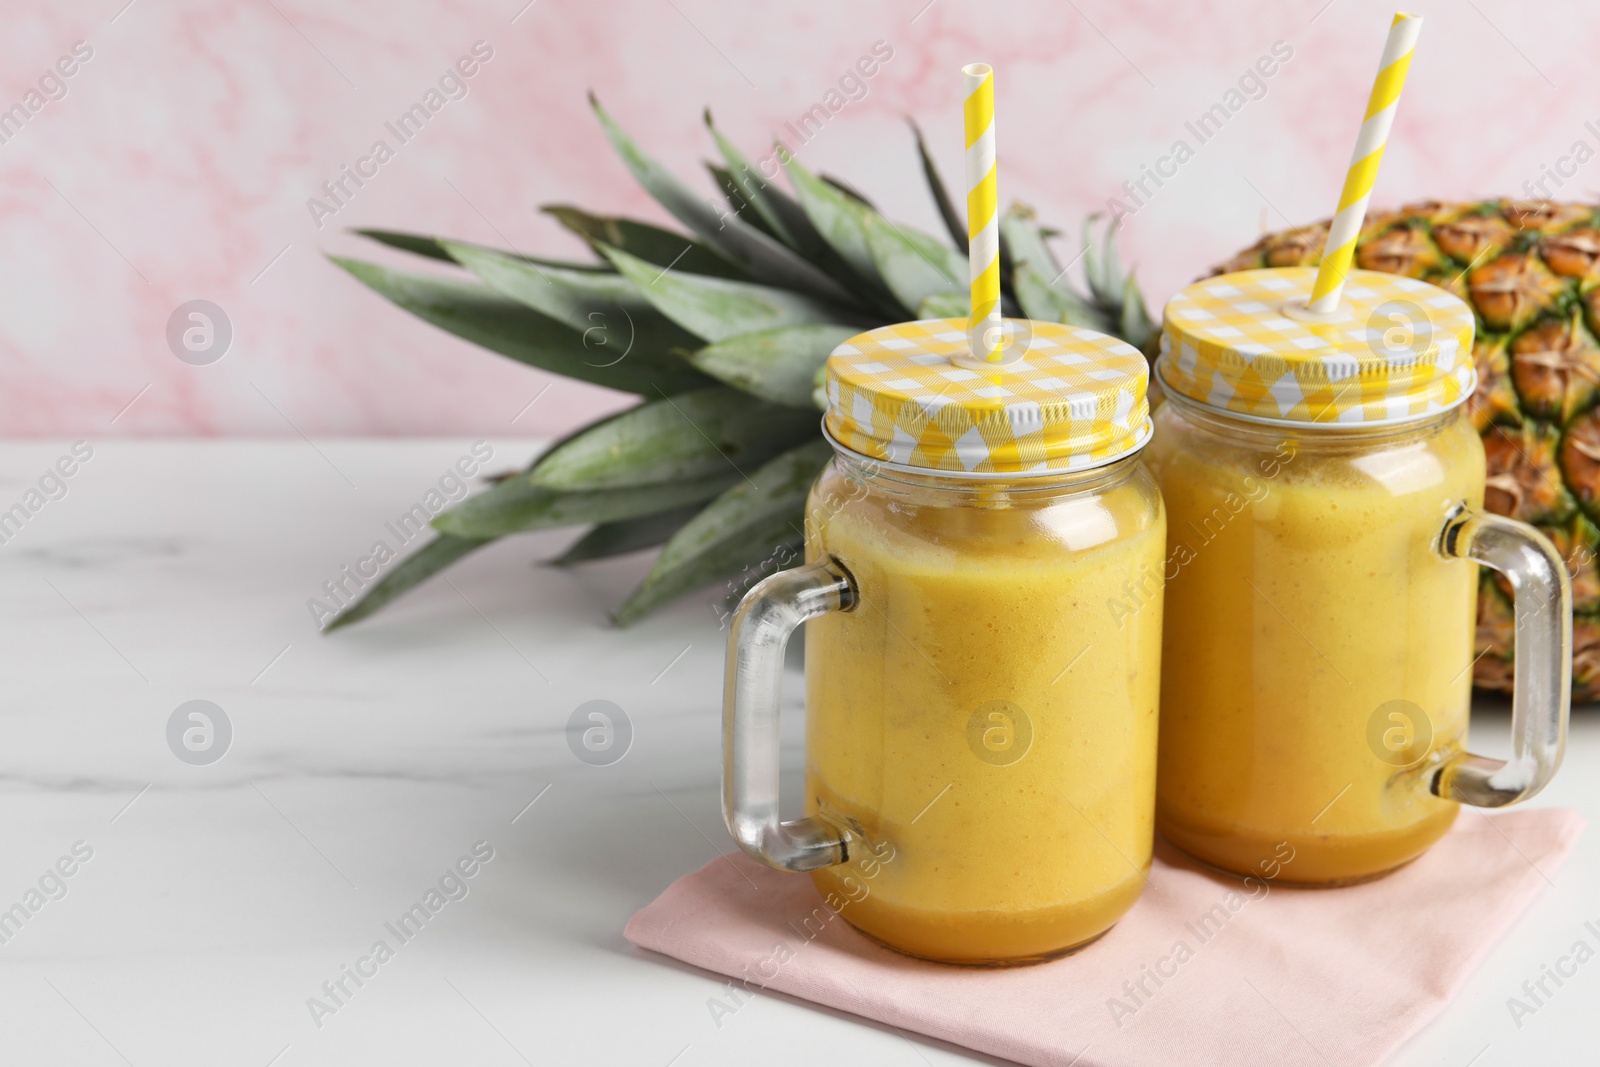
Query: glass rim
x=1146, y=432
x=1172, y=392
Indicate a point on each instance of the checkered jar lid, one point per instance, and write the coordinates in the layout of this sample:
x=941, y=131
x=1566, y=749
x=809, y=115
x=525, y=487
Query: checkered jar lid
x=1075, y=399
x=1397, y=348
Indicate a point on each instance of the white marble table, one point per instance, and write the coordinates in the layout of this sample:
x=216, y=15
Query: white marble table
x=219, y=898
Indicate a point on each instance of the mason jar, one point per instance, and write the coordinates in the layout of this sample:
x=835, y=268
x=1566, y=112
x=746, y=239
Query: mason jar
x=1324, y=487
x=984, y=596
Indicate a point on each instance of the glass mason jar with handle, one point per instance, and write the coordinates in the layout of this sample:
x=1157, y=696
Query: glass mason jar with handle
x=983, y=590
x=1324, y=482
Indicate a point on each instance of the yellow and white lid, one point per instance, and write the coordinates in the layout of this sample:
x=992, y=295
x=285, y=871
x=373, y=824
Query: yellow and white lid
x=908, y=395
x=1396, y=349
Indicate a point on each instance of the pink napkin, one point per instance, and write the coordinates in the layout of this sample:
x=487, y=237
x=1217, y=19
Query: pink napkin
x=1287, y=976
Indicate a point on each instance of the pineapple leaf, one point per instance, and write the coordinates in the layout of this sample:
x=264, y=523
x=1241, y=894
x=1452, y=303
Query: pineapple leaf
x=715, y=309
x=1021, y=230
x=674, y=439
x=742, y=528
x=743, y=208
x=500, y=324
x=783, y=214
x=1076, y=311
x=605, y=308
x=434, y=248
x=1038, y=279
x=777, y=365
x=415, y=569
x=1093, y=272
x=941, y=197
x=849, y=190
x=625, y=535
x=763, y=258
x=841, y=220
x=1101, y=266
x=1056, y=303
x=415, y=243
x=567, y=296
x=946, y=306
x=650, y=243
x=516, y=506
x=914, y=265
x=1136, y=328
x=1034, y=294
x=1110, y=268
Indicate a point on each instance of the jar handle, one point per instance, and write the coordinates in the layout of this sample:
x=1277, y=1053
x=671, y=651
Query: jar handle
x=752, y=693
x=1542, y=692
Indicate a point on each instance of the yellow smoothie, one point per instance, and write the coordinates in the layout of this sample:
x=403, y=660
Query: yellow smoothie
x=1305, y=601
x=986, y=710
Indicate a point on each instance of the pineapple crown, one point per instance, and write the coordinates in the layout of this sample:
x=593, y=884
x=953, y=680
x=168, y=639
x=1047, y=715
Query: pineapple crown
x=722, y=332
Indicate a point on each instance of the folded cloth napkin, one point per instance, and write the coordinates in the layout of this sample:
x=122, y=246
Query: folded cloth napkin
x=1203, y=970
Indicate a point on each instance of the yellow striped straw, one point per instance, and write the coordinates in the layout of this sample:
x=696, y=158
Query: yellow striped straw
x=1358, y=181
x=983, y=218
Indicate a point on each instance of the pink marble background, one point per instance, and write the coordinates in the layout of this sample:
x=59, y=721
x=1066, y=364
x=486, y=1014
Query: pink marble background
x=179, y=161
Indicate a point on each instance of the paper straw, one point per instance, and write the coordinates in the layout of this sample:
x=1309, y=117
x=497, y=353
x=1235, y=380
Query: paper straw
x=983, y=218
x=1363, y=172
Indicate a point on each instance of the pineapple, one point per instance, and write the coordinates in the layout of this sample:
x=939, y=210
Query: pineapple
x=721, y=332
x=1531, y=270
